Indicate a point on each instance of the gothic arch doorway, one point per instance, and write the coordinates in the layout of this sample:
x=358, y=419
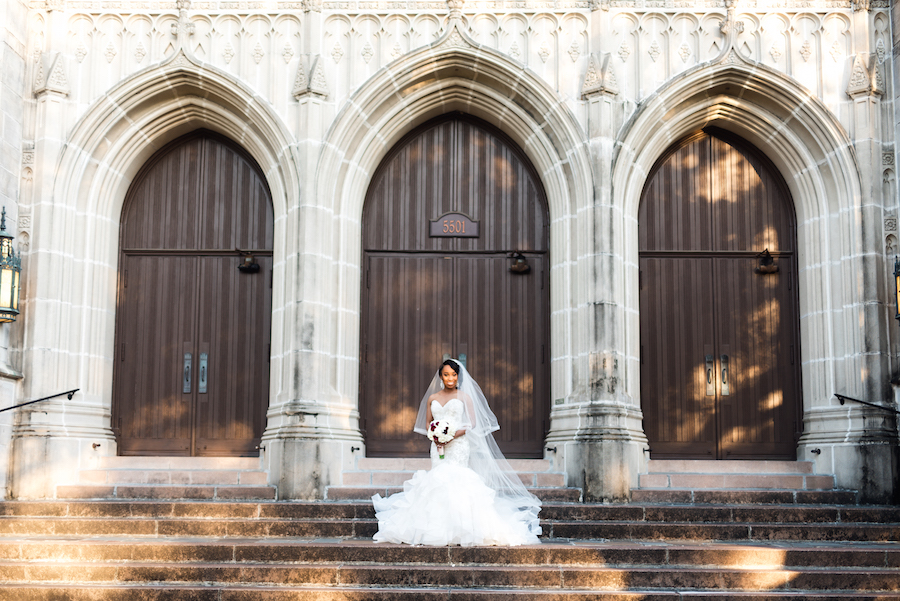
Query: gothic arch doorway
x=191, y=374
x=720, y=360
x=443, y=214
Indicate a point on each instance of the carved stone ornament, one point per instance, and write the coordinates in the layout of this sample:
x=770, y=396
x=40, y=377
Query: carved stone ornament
x=50, y=75
x=599, y=4
x=454, y=38
x=456, y=7
x=865, y=77
x=312, y=6
x=599, y=77
x=859, y=5
x=310, y=78
x=887, y=158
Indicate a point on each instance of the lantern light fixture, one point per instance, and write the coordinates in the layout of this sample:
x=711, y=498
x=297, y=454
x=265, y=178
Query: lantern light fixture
x=10, y=267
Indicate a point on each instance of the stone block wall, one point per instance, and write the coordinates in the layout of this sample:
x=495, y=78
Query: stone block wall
x=13, y=38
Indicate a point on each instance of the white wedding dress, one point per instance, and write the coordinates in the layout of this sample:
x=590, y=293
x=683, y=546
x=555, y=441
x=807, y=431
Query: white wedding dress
x=450, y=504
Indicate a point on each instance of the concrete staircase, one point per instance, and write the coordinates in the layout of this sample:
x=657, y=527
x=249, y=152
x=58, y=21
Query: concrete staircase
x=706, y=481
x=277, y=551
x=224, y=478
x=386, y=476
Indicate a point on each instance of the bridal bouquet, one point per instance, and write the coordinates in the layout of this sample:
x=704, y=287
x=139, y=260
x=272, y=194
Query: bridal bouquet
x=441, y=432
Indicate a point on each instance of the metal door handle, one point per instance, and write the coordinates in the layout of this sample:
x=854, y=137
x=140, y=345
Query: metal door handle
x=724, y=359
x=204, y=365
x=186, y=377
x=710, y=368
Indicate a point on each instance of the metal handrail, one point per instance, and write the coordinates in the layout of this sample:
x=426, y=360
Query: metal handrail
x=68, y=393
x=843, y=398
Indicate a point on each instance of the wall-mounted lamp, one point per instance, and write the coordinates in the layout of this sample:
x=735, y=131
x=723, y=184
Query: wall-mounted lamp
x=766, y=263
x=248, y=262
x=897, y=286
x=10, y=267
x=520, y=263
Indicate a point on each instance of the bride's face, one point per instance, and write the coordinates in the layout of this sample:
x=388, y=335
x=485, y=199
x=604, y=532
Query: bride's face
x=448, y=377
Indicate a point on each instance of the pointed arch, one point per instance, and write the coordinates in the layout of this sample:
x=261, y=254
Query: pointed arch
x=453, y=74
x=100, y=158
x=814, y=155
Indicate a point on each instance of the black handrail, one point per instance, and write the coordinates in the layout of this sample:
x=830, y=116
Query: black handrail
x=843, y=398
x=68, y=393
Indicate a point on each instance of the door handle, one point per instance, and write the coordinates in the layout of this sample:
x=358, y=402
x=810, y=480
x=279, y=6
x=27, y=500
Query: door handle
x=204, y=366
x=724, y=360
x=710, y=369
x=186, y=375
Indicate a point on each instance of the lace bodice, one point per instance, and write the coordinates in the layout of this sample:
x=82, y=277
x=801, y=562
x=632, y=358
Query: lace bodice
x=457, y=450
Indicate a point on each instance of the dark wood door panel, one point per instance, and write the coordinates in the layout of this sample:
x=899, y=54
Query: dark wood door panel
x=414, y=310
x=502, y=330
x=755, y=336
x=233, y=332
x=677, y=335
x=157, y=328
x=180, y=293
x=409, y=326
x=710, y=206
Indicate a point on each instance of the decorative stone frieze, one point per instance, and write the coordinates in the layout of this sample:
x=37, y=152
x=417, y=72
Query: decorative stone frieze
x=50, y=75
x=310, y=78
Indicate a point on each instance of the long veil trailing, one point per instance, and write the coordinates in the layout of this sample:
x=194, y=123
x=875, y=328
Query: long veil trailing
x=485, y=457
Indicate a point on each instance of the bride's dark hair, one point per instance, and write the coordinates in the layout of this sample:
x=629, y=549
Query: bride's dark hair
x=451, y=364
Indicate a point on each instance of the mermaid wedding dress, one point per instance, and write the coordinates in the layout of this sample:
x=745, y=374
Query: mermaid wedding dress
x=451, y=504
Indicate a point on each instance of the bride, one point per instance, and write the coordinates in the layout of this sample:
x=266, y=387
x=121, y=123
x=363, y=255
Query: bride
x=471, y=496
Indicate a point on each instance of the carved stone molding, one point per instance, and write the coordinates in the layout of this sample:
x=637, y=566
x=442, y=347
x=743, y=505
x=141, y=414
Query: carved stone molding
x=599, y=77
x=866, y=78
x=310, y=79
x=50, y=75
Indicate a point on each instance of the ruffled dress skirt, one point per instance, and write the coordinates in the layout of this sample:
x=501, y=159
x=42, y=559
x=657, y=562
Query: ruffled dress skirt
x=450, y=505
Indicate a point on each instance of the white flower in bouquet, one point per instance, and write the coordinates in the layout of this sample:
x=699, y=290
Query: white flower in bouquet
x=441, y=432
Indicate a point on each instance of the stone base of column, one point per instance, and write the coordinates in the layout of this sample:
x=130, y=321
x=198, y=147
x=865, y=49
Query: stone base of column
x=307, y=447
x=602, y=447
x=45, y=459
x=859, y=446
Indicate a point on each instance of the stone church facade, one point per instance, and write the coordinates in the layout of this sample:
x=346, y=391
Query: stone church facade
x=591, y=97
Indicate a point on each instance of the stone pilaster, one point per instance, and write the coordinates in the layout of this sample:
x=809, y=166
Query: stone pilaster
x=597, y=431
x=855, y=442
x=311, y=429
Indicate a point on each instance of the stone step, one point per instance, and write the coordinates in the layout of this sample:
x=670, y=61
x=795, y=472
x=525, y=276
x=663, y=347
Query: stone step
x=163, y=491
x=360, y=493
x=324, y=510
x=239, y=552
x=553, y=576
x=338, y=593
x=749, y=496
x=163, y=462
x=711, y=466
x=356, y=520
x=729, y=481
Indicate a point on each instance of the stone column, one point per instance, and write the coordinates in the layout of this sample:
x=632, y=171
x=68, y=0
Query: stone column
x=856, y=442
x=599, y=425
x=311, y=428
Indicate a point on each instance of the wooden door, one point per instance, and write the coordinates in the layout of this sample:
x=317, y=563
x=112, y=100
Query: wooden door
x=191, y=372
x=719, y=336
x=426, y=296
